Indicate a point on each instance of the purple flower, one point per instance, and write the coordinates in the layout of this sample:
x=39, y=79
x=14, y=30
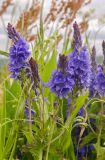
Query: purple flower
x=79, y=61
x=93, y=59
x=100, y=81
x=93, y=83
x=26, y=111
x=62, y=82
x=82, y=152
x=81, y=112
x=100, y=77
x=68, y=109
x=77, y=41
x=12, y=34
x=19, y=53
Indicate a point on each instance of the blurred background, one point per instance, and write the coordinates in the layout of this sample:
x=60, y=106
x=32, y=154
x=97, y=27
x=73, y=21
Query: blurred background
x=57, y=15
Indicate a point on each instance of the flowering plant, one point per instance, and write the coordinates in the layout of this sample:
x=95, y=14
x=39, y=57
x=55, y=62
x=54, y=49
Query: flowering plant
x=54, y=109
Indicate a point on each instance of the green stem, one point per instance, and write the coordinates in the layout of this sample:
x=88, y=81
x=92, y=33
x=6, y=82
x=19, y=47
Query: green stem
x=30, y=117
x=49, y=142
x=100, y=131
x=43, y=109
x=61, y=108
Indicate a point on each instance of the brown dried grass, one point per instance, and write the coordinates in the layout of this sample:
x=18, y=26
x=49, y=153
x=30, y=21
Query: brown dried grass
x=30, y=16
x=65, y=11
x=27, y=19
x=4, y=6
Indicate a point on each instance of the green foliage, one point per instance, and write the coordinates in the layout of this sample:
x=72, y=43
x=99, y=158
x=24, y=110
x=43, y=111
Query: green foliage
x=9, y=116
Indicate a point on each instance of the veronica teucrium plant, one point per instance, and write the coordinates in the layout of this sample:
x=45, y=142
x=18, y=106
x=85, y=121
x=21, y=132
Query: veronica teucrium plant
x=79, y=61
x=101, y=75
x=62, y=81
x=23, y=68
x=93, y=82
x=19, y=53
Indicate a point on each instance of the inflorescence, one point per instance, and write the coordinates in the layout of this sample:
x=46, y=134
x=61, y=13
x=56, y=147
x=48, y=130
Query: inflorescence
x=19, y=53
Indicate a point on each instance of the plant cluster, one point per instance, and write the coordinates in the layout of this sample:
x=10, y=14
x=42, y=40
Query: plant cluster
x=53, y=109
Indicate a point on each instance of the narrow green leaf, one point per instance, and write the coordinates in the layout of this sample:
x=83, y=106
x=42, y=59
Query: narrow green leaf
x=79, y=103
x=4, y=53
x=49, y=67
x=13, y=149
